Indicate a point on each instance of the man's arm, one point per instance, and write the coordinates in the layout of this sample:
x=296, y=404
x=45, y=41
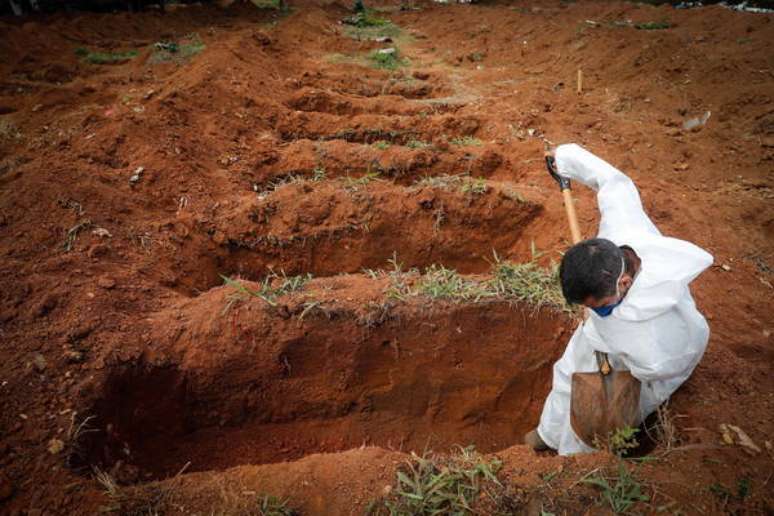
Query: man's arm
x=619, y=201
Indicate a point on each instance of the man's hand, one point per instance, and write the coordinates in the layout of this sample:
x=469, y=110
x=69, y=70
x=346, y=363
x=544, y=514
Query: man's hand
x=550, y=155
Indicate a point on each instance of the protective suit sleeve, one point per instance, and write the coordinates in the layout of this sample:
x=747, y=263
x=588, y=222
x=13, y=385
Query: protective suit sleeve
x=618, y=198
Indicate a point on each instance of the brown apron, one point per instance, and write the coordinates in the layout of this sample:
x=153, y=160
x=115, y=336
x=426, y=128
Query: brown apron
x=603, y=402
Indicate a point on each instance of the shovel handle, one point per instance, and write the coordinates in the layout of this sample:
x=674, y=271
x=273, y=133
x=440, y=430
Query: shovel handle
x=569, y=205
x=572, y=217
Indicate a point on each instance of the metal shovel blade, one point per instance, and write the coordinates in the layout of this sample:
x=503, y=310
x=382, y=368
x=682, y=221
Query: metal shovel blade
x=602, y=404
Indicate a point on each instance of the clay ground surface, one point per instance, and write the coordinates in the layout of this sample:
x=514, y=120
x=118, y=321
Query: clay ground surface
x=127, y=190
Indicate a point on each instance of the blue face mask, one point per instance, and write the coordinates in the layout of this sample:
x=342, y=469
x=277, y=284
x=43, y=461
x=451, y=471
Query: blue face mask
x=604, y=311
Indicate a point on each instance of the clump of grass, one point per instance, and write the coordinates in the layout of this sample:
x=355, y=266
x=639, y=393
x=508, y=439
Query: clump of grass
x=269, y=4
x=620, y=492
x=474, y=186
x=273, y=506
x=418, y=144
x=382, y=144
x=435, y=484
x=527, y=282
x=353, y=184
x=439, y=282
x=620, y=442
x=445, y=182
x=365, y=18
x=272, y=287
x=465, y=141
x=386, y=60
x=179, y=51
x=105, y=57
x=653, y=25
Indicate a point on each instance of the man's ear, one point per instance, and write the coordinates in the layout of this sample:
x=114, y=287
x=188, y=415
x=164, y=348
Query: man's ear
x=626, y=282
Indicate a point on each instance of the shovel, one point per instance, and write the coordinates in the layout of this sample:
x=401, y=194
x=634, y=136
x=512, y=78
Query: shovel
x=608, y=400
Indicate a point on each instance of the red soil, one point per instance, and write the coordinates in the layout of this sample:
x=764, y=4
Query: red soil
x=130, y=327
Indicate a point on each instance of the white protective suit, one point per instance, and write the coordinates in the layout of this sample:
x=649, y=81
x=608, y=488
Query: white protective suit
x=656, y=332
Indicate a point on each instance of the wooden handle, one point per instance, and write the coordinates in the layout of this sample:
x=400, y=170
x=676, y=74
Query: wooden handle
x=572, y=217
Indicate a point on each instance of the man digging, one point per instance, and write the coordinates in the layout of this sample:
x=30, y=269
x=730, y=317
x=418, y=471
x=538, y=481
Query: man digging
x=635, y=282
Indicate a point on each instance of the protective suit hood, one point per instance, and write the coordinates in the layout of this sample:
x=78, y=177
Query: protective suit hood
x=668, y=266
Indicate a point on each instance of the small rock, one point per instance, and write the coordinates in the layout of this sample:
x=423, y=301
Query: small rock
x=383, y=39
x=39, y=361
x=37, y=107
x=387, y=51
x=55, y=446
x=136, y=176
x=726, y=267
x=101, y=232
x=73, y=356
x=386, y=490
x=695, y=124
x=106, y=282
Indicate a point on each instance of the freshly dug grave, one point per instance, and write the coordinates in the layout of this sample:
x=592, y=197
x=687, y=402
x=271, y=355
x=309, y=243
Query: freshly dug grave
x=335, y=227
x=327, y=369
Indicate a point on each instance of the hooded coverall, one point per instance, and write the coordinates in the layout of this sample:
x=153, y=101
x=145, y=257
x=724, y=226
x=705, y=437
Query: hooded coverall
x=656, y=332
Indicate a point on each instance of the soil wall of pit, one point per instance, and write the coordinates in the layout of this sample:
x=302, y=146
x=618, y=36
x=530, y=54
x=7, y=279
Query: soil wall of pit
x=261, y=385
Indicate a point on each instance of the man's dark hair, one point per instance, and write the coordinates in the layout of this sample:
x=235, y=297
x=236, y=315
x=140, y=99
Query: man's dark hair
x=590, y=268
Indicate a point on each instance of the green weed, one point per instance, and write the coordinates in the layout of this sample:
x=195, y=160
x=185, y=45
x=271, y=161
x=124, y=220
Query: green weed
x=445, y=182
x=105, y=57
x=269, y=4
x=465, y=141
x=267, y=290
x=623, y=440
x=188, y=46
x=386, y=60
x=527, y=282
x=353, y=184
x=434, y=484
x=474, y=186
x=653, y=25
x=620, y=492
x=365, y=18
x=439, y=282
x=382, y=144
x=418, y=144
x=273, y=506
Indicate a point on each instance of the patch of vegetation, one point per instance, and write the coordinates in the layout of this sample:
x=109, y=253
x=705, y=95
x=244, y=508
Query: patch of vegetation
x=273, y=506
x=355, y=183
x=269, y=4
x=105, y=57
x=527, y=282
x=653, y=25
x=272, y=287
x=178, y=51
x=382, y=144
x=620, y=442
x=434, y=484
x=386, y=60
x=445, y=182
x=523, y=282
x=418, y=144
x=476, y=186
x=439, y=282
x=620, y=492
x=365, y=18
x=465, y=141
